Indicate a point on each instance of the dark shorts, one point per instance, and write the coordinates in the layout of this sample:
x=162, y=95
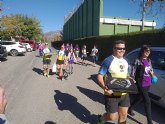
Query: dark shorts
x=84, y=57
x=113, y=102
x=46, y=61
x=59, y=62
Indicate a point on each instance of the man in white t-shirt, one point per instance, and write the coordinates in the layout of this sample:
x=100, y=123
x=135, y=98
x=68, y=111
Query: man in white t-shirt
x=116, y=103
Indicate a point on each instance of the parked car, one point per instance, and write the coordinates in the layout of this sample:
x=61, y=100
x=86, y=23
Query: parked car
x=28, y=47
x=157, y=91
x=3, y=52
x=31, y=42
x=13, y=48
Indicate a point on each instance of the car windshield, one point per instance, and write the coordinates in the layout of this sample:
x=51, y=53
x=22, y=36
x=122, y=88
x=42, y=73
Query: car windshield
x=158, y=60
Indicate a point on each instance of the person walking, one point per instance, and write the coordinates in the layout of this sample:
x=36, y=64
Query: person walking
x=142, y=72
x=40, y=49
x=116, y=103
x=67, y=47
x=84, y=55
x=71, y=60
x=94, y=54
x=61, y=57
x=77, y=50
x=46, y=60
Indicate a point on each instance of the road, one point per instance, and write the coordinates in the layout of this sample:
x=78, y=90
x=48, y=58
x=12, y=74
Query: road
x=34, y=99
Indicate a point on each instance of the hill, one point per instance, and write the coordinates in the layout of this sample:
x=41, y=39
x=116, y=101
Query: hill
x=53, y=35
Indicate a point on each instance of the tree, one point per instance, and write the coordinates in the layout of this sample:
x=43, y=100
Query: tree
x=152, y=8
x=21, y=26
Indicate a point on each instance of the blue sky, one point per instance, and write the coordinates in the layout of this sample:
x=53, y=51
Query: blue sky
x=51, y=13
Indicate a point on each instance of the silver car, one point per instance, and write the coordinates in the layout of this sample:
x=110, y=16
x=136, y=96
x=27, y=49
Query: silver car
x=157, y=91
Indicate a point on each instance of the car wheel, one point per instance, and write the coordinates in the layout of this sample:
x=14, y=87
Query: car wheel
x=29, y=50
x=14, y=52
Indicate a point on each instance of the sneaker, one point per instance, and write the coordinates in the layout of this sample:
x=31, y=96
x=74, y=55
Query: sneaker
x=130, y=112
x=100, y=119
x=44, y=74
x=48, y=76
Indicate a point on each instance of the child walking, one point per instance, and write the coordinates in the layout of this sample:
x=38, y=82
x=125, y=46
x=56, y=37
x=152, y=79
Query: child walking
x=71, y=60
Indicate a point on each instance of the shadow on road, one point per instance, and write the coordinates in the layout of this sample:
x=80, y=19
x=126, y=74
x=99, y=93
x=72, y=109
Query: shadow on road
x=68, y=102
x=38, y=70
x=50, y=122
x=94, y=78
x=94, y=95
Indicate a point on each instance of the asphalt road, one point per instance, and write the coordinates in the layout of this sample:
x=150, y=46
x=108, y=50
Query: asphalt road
x=34, y=99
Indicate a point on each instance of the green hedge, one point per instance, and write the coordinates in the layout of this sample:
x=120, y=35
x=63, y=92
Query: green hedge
x=133, y=40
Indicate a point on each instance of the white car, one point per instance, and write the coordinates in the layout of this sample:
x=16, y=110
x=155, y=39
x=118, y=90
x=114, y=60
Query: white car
x=157, y=91
x=14, y=48
x=28, y=47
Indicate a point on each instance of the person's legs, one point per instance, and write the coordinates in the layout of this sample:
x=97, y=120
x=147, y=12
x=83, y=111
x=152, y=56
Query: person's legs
x=85, y=59
x=44, y=67
x=60, y=71
x=48, y=67
x=111, y=107
x=58, y=67
x=122, y=115
x=134, y=103
x=77, y=54
x=3, y=101
x=110, y=117
x=123, y=108
x=72, y=68
x=94, y=60
x=147, y=104
x=69, y=68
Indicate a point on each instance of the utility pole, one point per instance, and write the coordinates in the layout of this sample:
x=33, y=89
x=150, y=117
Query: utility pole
x=143, y=14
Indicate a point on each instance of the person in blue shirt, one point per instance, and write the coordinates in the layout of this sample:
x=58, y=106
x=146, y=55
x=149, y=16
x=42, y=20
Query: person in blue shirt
x=116, y=103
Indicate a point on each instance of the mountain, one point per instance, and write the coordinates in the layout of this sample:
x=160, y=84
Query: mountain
x=53, y=35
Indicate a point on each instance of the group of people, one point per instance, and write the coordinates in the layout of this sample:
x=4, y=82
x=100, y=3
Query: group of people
x=114, y=66
x=117, y=104
x=67, y=55
x=94, y=54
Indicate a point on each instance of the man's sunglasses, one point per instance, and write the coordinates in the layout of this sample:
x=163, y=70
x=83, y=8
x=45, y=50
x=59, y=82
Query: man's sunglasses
x=118, y=48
